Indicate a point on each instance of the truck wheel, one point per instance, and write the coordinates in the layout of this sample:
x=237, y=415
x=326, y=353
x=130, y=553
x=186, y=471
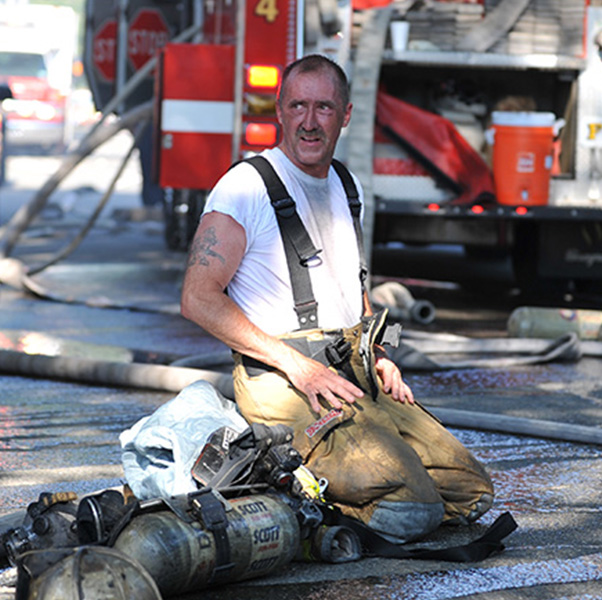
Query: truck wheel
x=196, y=204
x=182, y=210
x=525, y=260
x=172, y=224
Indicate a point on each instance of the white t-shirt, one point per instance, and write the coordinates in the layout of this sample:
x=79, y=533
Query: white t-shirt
x=261, y=286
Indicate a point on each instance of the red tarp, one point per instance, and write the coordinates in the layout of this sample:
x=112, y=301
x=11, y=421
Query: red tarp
x=435, y=143
x=364, y=4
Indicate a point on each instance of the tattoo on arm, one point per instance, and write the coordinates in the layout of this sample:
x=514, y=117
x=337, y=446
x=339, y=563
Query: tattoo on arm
x=202, y=249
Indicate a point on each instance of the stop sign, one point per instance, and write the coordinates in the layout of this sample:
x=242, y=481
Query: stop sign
x=147, y=33
x=103, y=49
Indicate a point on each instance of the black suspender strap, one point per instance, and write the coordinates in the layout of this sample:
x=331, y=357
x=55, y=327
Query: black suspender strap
x=355, y=207
x=298, y=247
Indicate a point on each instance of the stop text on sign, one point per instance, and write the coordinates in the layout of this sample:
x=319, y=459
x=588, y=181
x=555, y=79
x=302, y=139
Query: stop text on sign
x=103, y=50
x=147, y=33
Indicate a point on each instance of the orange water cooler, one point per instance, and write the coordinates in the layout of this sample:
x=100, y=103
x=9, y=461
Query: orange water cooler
x=522, y=156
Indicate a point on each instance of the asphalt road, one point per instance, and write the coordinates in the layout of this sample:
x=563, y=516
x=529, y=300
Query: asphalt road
x=120, y=289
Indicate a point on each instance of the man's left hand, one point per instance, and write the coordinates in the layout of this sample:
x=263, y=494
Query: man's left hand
x=392, y=381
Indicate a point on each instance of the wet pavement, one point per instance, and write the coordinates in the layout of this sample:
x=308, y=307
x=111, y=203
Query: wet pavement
x=120, y=290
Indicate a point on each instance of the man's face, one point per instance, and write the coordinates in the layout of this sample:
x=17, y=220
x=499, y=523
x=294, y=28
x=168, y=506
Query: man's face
x=312, y=115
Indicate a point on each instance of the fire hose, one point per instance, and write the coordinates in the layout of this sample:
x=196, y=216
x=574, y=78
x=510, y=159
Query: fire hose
x=135, y=375
x=98, y=136
x=494, y=26
x=95, y=214
x=400, y=303
x=95, y=138
x=13, y=271
x=175, y=378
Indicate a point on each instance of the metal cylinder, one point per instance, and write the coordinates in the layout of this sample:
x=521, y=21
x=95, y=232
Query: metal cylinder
x=335, y=545
x=262, y=536
x=536, y=322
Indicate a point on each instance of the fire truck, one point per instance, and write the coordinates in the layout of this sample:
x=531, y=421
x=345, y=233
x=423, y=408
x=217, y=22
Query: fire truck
x=423, y=138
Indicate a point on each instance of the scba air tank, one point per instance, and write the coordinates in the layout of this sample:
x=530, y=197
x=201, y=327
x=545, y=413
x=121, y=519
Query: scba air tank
x=536, y=322
x=182, y=556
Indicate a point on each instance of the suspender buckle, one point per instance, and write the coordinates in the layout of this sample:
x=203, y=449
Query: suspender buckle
x=307, y=314
x=285, y=207
x=314, y=258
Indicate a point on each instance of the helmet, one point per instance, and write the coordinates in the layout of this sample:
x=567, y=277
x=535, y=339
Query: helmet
x=83, y=573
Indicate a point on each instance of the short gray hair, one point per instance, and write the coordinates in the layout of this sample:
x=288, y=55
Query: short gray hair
x=315, y=63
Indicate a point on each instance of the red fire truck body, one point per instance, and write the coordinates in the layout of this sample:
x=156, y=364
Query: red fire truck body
x=214, y=101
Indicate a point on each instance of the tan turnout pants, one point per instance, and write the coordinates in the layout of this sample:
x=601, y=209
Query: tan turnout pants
x=390, y=464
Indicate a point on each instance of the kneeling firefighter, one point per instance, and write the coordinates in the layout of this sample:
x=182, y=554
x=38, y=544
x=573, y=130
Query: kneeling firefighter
x=282, y=232
x=389, y=463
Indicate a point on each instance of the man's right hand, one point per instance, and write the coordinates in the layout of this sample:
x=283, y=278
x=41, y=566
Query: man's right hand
x=317, y=381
